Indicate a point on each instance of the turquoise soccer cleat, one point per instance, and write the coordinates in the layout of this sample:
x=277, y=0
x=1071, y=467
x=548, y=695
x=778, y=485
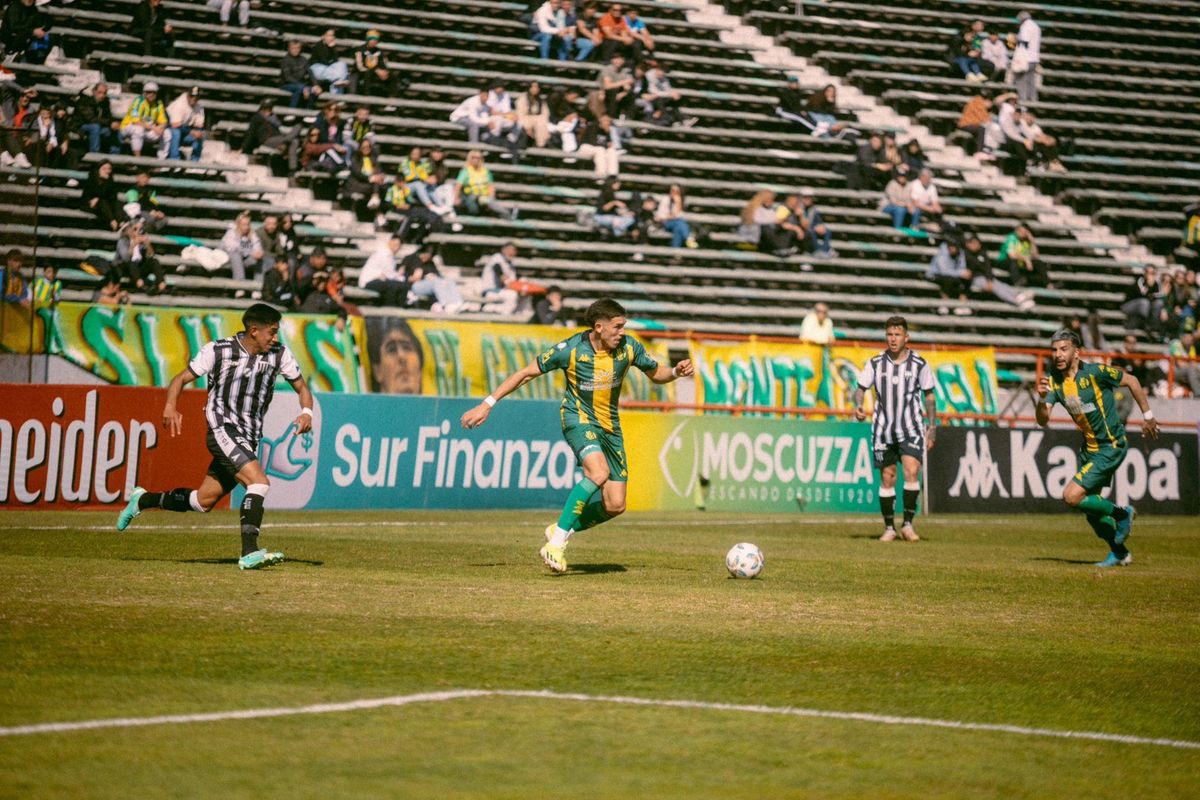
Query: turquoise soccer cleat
x=131, y=509
x=1125, y=526
x=1114, y=561
x=259, y=559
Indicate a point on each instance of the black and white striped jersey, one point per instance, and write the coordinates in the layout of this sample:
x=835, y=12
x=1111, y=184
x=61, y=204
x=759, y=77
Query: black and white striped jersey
x=899, y=388
x=240, y=385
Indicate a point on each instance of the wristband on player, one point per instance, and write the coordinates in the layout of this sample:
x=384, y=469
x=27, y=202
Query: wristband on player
x=489, y=401
x=307, y=412
x=1148, y=414
x=675, y=370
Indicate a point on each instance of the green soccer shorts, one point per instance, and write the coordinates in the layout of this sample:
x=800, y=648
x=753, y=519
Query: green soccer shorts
x=585, y=439
x=1096, y=469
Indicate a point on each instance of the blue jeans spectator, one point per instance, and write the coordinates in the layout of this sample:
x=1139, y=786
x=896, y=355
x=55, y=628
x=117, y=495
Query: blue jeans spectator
x=617, y=223
x=898, y=213
x=821, y=243
x=968, y=65
x=679, y=229
x=333, y=74
x=100, y=137
x=545, y=40
x=583, y=48
x=443, y=290
x=181, y=136
x=298, y=98
x=421, y=190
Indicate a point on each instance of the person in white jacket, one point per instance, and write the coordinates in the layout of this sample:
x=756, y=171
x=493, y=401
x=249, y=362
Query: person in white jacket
x=382, y=274
x=473, y=115
x=1029, y=55
x=550, y=21
x=186, y=119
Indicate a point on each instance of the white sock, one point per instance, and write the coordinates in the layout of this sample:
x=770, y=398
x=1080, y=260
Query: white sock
x=560, y=537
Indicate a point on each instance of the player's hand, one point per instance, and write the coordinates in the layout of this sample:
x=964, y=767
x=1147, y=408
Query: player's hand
x=859, y=414
x=172, y=420
x=1150, y=428
x=303, y=424
x=476, y=416
x=1043, y=387
x=684, y=369
x=930, y=438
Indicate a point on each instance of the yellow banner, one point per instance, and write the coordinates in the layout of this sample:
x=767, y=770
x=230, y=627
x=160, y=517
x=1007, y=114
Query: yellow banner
x=782, y=374
x=468, y=359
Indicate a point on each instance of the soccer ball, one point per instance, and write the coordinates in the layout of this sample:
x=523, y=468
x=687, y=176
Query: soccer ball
x=744, y=560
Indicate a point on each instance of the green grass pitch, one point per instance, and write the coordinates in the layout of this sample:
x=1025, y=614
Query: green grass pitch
x=988, y=620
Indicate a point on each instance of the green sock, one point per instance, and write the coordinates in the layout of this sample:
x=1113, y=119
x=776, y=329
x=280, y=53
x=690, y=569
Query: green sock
x=1095, y=504
x=1106, y=529
x=576, y=502
x=593, y=514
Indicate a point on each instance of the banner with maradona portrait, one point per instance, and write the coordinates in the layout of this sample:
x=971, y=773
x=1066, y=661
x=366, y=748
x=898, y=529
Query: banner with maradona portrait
x=796, y=375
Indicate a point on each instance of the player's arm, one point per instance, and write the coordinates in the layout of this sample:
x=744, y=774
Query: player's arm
x=303, y=422
x=931, y=419
x=664, y=374
x=1149, y=423
x=172, y=419
x=479, y=414
x=1043, y=405
x=860, y=394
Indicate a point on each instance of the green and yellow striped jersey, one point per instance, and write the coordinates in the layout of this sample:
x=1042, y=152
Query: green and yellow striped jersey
x=1088, y=398
x=594, y=379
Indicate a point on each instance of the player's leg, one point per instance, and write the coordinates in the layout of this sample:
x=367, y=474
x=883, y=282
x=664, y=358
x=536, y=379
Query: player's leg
x=885, y=462
x=910, y=463
x=609, y=499
x=252, y=476
x=179, y=500
x=1112, y=523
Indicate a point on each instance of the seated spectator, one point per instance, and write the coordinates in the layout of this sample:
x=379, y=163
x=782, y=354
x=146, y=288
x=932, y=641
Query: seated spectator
x=417, y=173
x=47, y=288
x=897, y=201
x=602, y=143
x=442, y=185
x=135, y=260
x=278, y=288
x=551, y=30
x=358, y=129
x=668, y=212
x=659, y=100
x=110, y=292
x=477, y=190
x=913, y=156
x=272, y=243
x=984, y=280
x=381, y=274
x=243, y=247
x=500, y=285
x=612, y=216
x=924, y=197
x=502, y=128
x=948, y=269
x=533, y=115
x=420, y=270
x=46, y=139
x=473, y=115
x=143, y=195
x=820, y=238
x=976, y=115
x=1139, y=300
x=12, y=278
x=296, y=76
x=416, y=220
x=25, y=32
x=616, y=36
x=99, y=196
x=639, y=31
x=1184, y=352
x=964, y=54
x=186, y=116
x=873, y=170
x=152, y=26
x=225, y=11
x=315, y=262
x=289, y=240
x=793, y=105
x=817, y=327
x=93, y=118
x=1019, y=256
x=822, y=108
x=326, y=65
x=318, y=300
x=616, y=83
x=1043, y=148
x=791, y=222
x=367, y=59
x=549, y=310
x=323, y=150
x=368, y=181
x=994, y=53
x=266, y=130
x=587, y=33
x=759, y=224
x=1017, y=147
x=146, y=122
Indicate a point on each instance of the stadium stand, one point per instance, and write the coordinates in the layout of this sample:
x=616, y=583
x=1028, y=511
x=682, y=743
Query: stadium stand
x=1118, y=94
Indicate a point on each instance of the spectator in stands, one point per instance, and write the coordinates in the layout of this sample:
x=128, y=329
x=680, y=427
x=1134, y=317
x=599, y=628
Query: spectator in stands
x=964, y=54
x=587, y=33
x=1187, y=369
x=295, y=73
x=984, y=280
x=143, y=195
x=15, y=114
x=924, y=197
x=152, y=25
x=99, y=196
x=1026, y=61
x=549, y=310
x=225, y=11
x=533, y=115
x=602, y=143
x=793, y=105
x=477, y=190
x=616, y=36
x=822, y=108
x=135, y=259
x=1142, y=369
x=110, y=292
x=817, y=327
x=442, y=186
x=913, y=157
x=760, y=225
x=12, y=279
x=502, y=127
x=891, y=152
x=897, y=200
x=277, y=288
x=93, y=118
x=316, y=262
x=500, y=285
x=552, y=30
x=46, y=139
x=25, y=32
x=976, y=115
x=381, y=274
x=1042, y=148
x=994, y=52
x=368, y=181
x=417, y=173
x=948, y=269
x=326, y=152
x=873, y=170
x=47, y=288
x=186, y=116
x=420, y=270
x=416, y=221
x=358, y=129
x=660, y=100
x=146, y=122
x=326, y=64
x=473, y=115
x=266, y=130
x=639, y=31
x=288, y=241
x=243, y=247
x=616, y=82
x=820, y=238
x=1019, y=256
x=271, y=243
x=612, y=216
x=668, y=212
x=367, y=59
x=790, y=219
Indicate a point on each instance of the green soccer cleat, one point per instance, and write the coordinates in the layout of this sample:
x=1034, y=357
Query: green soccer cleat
x=259, y=559
x=131, y=509
x=1114, y=561
x=554, y=557
x=1125, y=526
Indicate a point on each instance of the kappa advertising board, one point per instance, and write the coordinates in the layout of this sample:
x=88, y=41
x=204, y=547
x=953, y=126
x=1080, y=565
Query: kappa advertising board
x=1020, y=470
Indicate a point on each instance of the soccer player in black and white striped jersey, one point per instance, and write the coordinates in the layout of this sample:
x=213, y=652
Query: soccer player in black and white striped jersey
x=900, y=378
x=241, y=371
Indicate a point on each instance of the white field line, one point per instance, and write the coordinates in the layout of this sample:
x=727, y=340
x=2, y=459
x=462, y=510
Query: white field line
x=435, y=697
x=283, y=526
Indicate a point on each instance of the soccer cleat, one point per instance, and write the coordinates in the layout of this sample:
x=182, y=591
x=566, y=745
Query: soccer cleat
x=908, y=534
x=259, y=559
x=554, y=557
x=131, y=509
x=1113, y=561
x=1125, y=526
x=889, y=534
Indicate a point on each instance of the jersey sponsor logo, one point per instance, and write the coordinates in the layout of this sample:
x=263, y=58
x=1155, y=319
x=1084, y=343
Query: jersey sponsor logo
x=584, y=358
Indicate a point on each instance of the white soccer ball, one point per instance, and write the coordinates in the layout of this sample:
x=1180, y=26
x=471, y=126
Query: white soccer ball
x=744, y=560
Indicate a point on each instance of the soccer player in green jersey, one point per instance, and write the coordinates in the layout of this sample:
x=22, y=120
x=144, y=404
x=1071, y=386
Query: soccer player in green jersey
x=595, y=362
x=1086, y=391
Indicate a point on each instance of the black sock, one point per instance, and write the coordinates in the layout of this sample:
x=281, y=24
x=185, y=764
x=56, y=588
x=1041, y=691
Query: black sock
x=910, y=504
x=887, y=507
x=174, y=500
x=252, y=514
x=1119, y=513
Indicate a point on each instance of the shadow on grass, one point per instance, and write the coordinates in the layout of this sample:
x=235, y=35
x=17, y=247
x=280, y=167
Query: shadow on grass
x=593, y=569
x=1062, y=560
x=220, y=561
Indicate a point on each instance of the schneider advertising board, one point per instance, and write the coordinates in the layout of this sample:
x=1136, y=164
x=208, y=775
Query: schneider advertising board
x=1023, y=470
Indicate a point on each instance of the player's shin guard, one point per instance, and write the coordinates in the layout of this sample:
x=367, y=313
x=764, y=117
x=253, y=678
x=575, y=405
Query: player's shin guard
x=912, y=491
x=576, y=502
x=252, y=514
x=174, y=500
x=887, y=506
x=593, y=514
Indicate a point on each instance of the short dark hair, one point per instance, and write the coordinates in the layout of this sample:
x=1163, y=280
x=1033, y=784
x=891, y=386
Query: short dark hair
x=602, y=309
x=896, y=321
x=261, y=314
x=554, y=289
